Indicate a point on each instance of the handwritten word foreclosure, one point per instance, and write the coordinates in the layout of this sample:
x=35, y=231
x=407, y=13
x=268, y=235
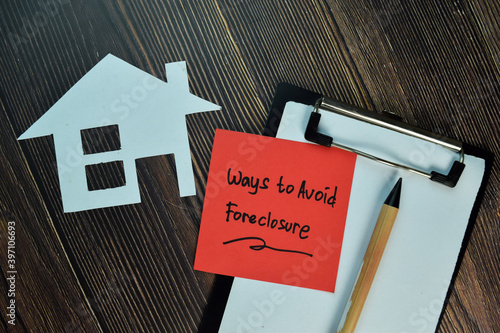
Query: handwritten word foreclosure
x=267, y=221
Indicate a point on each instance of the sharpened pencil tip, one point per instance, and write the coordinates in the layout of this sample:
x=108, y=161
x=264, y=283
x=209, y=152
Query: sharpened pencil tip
x=393, y=198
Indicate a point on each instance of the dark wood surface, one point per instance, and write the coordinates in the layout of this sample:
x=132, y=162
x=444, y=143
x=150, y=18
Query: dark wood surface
x=129, y=268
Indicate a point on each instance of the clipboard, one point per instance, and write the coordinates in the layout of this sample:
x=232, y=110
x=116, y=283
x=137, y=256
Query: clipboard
x=401, y=290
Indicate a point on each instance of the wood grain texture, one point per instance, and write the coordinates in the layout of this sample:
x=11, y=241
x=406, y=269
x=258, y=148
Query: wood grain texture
x=49, y=296
x=129, y=268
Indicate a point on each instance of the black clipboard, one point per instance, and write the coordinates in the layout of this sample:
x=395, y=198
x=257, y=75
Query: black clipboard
x=285, y=92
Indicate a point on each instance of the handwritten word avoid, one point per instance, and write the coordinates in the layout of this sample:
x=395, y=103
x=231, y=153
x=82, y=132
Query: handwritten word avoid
x=304, y=192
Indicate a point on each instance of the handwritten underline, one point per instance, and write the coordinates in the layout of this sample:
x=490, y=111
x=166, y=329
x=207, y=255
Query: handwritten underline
x=262, y=246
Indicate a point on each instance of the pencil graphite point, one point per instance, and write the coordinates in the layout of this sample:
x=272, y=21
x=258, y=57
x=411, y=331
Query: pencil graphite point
x=393, y=198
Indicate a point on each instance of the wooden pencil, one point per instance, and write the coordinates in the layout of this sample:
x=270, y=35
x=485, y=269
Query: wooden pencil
x=371, y=260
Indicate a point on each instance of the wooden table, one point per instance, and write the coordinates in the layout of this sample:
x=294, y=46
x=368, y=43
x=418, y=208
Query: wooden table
x=129, y=268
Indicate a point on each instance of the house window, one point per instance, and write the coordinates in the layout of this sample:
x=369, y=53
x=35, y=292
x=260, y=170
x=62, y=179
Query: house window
x=105, y=175
x=100, y=139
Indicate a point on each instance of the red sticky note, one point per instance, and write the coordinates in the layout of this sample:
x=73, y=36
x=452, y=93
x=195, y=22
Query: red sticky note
x=274, y=210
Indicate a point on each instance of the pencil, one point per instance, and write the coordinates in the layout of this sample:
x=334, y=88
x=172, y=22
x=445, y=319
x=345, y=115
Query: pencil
x=371, y=260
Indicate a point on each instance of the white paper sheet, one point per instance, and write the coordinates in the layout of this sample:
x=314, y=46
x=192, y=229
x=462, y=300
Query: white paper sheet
x=409, y=289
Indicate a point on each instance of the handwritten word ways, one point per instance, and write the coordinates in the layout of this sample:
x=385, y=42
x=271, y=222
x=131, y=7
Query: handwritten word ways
x=245, y=181
x=266, y=221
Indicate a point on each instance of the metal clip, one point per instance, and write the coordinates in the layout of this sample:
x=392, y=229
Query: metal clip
x=391, y=123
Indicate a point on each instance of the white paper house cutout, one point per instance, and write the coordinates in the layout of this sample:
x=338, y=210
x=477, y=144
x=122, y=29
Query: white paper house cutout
x=150, y=117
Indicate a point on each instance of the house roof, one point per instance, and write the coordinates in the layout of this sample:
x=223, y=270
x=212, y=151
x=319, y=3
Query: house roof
x=114, y=91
